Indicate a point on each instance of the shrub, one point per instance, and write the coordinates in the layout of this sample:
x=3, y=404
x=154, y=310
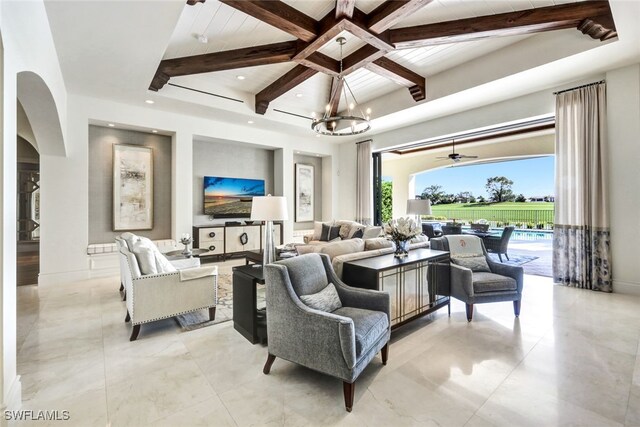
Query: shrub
x=540, y=225
x=530, y=225
x=519, y=224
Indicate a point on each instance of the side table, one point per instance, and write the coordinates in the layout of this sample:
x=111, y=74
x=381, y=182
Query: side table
x=247, y=319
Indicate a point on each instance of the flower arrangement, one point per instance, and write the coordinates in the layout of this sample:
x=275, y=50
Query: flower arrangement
x=400, y=231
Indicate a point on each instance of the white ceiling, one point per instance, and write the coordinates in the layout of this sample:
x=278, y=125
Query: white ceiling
x=111, y=49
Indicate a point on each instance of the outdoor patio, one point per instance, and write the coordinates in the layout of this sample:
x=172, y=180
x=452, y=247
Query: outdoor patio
x=521, y=250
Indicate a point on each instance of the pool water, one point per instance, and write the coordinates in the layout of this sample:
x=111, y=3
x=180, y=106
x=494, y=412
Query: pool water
x=532, y=234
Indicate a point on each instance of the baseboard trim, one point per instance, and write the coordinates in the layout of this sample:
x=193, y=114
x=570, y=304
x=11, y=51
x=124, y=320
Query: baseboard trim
x=65, y=277
x=628, y=288
x=13, y=400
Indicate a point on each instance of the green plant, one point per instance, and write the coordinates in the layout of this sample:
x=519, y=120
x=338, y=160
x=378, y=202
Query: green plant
x=540, y=225
x=498, y=224
x=530, y=225
x=387, y=201
x=518, y=224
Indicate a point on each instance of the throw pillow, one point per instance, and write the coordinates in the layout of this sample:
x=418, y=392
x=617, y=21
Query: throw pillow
x=476, y=263
x=334, y=232
x=344, y=231
x=358, y=234
x=326, y=300
x=324, y=234
x=317, y=229
x=372, y=232
x=145, y=257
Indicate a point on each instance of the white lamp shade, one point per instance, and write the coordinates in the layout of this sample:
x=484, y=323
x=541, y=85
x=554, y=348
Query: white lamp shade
x=418, y=207
x=269, y=208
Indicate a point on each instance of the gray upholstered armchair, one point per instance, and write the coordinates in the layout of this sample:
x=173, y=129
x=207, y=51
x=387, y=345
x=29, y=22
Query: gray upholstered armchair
x=501, y=283
x=340, y=343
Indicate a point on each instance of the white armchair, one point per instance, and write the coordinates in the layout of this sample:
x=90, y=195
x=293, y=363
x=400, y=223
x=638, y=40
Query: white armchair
x=159, y=296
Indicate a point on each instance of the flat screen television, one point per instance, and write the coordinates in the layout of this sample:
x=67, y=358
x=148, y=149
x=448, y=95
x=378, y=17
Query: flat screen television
x=230, y=197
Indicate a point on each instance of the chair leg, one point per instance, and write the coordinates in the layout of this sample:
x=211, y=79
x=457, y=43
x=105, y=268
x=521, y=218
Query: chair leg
x=469, y=312
x=127, y=317
x=121, y=287
x=212, y=314
x=124, y=295
x=134, y=332
x=449, y=308
x=349, y=391
x=505, y=254
x=385, y=354
x=500, y=256
x=267, y=366
x=516, y=308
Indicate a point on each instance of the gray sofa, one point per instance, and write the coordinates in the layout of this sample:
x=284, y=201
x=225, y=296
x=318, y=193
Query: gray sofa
x=340, y=343
x=502, y=283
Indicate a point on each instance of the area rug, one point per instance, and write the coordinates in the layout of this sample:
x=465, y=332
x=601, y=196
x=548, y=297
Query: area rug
x=224, y=309
x=513, y=259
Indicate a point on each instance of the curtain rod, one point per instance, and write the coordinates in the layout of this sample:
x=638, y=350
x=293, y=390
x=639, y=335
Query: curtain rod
x=366, y=140
x=579, y=87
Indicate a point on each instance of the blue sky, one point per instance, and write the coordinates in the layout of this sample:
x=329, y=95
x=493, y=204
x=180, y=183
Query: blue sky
x=531, y=177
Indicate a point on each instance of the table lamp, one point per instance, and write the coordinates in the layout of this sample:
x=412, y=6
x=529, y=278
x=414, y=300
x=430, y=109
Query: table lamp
x=268, y=209
x=419, y=207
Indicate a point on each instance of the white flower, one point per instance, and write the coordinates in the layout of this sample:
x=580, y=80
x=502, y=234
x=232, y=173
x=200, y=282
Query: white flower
x=401, y=229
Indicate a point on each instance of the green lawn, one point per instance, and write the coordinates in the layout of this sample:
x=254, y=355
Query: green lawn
x=507, y=212
x=493, y=206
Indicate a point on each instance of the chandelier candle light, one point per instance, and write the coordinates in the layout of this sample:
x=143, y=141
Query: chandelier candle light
x=351, y=123
x=400, y=231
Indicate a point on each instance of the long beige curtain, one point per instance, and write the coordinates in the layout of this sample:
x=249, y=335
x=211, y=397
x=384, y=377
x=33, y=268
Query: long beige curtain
x=581, y=247
x=364, y=183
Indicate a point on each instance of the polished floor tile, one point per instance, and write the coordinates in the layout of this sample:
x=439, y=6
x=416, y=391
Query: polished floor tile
x=572, y=358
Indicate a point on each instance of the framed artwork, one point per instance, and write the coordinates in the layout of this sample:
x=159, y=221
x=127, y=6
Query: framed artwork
x=132, y=187
x=304, y=192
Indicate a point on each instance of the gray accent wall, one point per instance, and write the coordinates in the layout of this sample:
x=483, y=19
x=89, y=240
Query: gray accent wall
x=231, y=160
x=317, y=187
x=101, y=142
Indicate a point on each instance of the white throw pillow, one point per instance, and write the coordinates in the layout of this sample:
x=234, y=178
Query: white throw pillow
x=326, y=300
x=146, y=257
x=371, y=232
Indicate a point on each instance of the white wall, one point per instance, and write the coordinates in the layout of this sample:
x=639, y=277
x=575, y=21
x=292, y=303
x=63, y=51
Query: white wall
x=623, y=120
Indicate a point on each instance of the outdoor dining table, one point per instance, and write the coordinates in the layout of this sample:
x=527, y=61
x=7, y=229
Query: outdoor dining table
x=481, y=234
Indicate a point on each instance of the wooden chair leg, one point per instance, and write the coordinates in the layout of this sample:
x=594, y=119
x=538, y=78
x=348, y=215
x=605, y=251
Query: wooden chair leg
x=385, y=354
x=349, y=391
x=124, y=295
x=212, y=314
x=516, y=308
x=134, y=332
x=267, y=366
x=127, y=317
x=449, y=308
x=469, y=312
x=121, y=287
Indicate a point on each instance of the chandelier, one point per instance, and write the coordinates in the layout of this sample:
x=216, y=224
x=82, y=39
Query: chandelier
x=342, y=125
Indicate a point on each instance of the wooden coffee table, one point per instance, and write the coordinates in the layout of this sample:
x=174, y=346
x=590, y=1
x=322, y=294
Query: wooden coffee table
x=255, y=257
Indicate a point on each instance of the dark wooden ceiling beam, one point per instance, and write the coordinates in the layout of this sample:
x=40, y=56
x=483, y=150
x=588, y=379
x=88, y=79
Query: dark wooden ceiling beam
x=401, y=75
x=344, y=8
x=334, y=95
x=322, y=63
x=599, y=27
x=358, y=27
x=226, y=60
x=279, y=15
x=194, y=2
x=361, y=57
x=503, y=24
x=293, y=78
x=391, y=12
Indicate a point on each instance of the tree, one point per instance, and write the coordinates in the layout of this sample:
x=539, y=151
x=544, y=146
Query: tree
x=499, y=189
x=447, y=199
x=387, y=201
x=465, y=197
x=521, y=198
x=433, y=193
x=481, y=199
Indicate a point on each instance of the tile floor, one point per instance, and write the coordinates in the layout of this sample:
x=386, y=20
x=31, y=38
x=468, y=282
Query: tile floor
x=571, y=359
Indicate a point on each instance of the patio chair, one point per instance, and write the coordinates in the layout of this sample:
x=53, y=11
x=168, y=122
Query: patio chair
x=451, y=229
x=432, y=229
x=498, y=245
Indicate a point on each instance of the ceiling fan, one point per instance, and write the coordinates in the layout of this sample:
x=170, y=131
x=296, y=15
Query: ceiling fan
x=456, y=157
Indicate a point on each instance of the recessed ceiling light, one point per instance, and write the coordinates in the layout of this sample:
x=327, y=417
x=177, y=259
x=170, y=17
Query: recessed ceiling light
x=250, y=122
x=239, y=77
x=154, y=131
x=298, y=95
x=111, y=125
x=149, y=101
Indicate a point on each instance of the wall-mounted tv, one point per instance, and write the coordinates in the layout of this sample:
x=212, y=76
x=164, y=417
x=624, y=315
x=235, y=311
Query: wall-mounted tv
x=230, y=197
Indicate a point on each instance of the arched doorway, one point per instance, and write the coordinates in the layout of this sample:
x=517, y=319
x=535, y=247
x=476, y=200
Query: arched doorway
x=39, y=136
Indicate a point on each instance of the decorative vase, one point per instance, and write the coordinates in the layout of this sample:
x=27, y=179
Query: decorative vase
x=186, y=251
x=402, y=248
